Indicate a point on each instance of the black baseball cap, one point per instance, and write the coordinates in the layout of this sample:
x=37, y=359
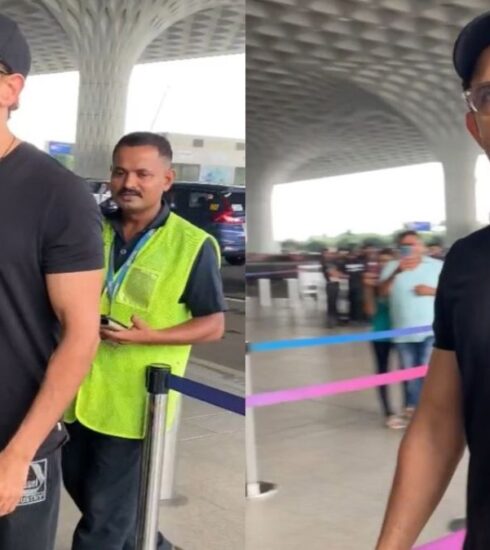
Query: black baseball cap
x=472, y=40
x=14, y=50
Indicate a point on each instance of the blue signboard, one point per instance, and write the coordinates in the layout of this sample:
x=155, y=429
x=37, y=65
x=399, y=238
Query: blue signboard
x=419, y=226
x=62, y=152
x=60, y=148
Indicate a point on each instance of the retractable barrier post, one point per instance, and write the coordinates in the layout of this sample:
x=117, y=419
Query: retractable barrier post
x=254, y=487
x=168, y=492
x=293, y=293
x=152, y=459
x=265, y=297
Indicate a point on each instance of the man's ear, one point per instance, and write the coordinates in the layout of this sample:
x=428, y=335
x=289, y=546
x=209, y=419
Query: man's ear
x=11, y=87
x=169, y=179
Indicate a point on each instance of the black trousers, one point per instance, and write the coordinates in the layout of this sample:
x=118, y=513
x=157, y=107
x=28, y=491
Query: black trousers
x=333, y=289
x=101, y=474
x=356, y=305
x=32, y=526
x=382, y=355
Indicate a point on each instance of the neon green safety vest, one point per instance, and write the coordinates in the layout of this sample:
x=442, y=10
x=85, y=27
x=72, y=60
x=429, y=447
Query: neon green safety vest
x=112, y=399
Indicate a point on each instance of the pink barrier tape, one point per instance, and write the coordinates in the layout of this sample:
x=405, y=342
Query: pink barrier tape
x=451, y=542
x=333, y=388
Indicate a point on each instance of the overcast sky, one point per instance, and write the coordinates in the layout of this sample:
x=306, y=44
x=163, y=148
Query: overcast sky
x=379, y=202
x=199, y=96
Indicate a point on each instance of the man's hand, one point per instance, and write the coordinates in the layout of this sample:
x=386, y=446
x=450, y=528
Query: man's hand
x=13, y=476
x=138, y=333
x=424, y=290
x=199, y=330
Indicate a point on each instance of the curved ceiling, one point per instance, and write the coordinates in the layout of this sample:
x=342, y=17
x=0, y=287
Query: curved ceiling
x=351, y=85
x=216, y=31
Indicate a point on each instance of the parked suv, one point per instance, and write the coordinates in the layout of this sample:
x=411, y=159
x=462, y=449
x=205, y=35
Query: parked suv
x=218, y=209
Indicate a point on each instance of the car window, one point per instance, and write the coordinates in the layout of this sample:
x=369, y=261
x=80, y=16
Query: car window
x=237, y=202
x=202, y=200
x=177, y=199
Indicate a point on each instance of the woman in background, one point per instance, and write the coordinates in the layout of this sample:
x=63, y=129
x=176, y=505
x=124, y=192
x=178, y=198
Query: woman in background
x=377, y=309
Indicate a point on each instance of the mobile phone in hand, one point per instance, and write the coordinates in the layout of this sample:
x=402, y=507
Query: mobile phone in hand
x=405, y=251
x=111, y=324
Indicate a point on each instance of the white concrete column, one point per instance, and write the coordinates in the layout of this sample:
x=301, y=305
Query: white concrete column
x=101, y=113
x=108, y=38
x=458, y=156
x=260, y=239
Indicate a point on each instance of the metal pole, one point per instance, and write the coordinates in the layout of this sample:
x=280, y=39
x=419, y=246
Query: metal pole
x=168, y=491
x=152, y=459
x=253, y=488
x=293, y=293
x=265, y=297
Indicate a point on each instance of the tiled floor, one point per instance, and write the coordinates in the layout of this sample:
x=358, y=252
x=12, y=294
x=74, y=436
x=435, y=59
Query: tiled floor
x=332, y=458
x=210, y=475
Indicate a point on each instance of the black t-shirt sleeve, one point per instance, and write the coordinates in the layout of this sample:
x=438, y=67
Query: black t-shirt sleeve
x=203, y=294
x=443, y=316
x=72, y=236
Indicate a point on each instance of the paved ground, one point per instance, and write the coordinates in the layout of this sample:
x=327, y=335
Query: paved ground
x=230, y=351
x=209, y=476
x=332, y=457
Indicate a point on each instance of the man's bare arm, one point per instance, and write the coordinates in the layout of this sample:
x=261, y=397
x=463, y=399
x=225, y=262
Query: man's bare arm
x=199, y=330
x=75, y=299
x=428, y=455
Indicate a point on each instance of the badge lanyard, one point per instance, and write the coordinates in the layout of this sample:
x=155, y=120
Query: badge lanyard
x=114, y=280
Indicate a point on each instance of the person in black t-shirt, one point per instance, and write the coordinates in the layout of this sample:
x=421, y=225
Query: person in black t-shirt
x=455, y=405
x=332, y=276
x=50, y=285
x=353, y=268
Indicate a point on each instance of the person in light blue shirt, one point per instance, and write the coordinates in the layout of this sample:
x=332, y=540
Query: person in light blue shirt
x=411, y=284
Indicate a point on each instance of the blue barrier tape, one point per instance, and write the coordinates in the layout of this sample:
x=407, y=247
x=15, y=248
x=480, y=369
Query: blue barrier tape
x=276, y=345
x=213, y=396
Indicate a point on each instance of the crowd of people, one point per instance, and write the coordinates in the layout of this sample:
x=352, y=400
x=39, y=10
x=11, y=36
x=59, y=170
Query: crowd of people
x=392, y=289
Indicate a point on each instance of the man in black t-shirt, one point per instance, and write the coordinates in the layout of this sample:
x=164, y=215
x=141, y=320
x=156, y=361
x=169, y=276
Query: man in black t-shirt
x=50, y=284
x=455, y=404
x=353, y=268
x=330, y=270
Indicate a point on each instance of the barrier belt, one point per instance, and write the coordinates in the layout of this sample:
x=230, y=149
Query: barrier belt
x=213, y=396
x=334, y=388
x=331, y=340
x=451, y=542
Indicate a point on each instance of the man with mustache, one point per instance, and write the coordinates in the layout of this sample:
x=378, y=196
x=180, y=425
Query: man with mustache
x=162, y=282
x=50, y=284
x=455, y=405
